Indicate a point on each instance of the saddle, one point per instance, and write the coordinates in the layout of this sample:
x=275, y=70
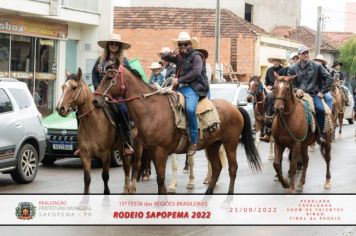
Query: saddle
x=207, y=114
x=309, y=108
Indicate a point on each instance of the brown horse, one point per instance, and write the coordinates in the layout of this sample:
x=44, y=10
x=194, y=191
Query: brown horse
x=339, y=104
x=257, y=95
x=291, y=130
x=97, y=136
x=158, y=133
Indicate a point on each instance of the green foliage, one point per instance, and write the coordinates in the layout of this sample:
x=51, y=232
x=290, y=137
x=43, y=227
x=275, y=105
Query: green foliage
x=348, y=56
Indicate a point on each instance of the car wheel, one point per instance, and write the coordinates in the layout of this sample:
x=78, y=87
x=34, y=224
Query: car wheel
x=350, y=121
x=116, y=159
x=27, y=165
x=48, y=161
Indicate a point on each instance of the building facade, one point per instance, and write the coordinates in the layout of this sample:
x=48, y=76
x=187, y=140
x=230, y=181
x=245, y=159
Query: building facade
x=265, y=14
x=39, y=40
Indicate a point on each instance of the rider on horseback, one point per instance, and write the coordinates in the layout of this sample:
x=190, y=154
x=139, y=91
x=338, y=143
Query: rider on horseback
x=312, y=78
x=191, y=80
x=113, y=57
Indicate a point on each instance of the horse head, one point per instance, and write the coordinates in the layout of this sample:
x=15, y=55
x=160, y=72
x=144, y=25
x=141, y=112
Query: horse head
x=254, y=88
x=72, y=94
x=283, y=92
x=113, y=83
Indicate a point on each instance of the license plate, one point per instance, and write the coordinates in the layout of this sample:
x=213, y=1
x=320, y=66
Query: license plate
x=62, y=146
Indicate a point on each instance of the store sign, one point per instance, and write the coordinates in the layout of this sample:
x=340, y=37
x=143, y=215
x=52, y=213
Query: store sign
x=29, y=27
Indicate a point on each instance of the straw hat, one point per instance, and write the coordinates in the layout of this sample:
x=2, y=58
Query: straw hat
x=114, y=38
x=276, y=57
x=320, y=59
x=183, y=37
x=164, y=50
x=155, y=65
x=292, y=55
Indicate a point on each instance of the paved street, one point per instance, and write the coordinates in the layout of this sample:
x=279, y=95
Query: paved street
x=67, y=177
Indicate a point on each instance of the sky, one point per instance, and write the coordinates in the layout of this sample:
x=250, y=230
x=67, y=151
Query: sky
x=333, y=10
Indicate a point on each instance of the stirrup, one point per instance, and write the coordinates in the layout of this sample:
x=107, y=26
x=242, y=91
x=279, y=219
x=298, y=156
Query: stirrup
x=192, y=149
x=127, y=149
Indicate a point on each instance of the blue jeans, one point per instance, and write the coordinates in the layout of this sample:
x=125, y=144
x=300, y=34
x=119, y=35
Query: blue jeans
x=329, y=100
x=191, y=102
x=320, y=112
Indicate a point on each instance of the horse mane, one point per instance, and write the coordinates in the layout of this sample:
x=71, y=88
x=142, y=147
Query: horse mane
x=138, y=76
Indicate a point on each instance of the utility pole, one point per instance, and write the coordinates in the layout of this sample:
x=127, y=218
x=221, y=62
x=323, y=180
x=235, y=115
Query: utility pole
x=318, y=32
x=218, y=72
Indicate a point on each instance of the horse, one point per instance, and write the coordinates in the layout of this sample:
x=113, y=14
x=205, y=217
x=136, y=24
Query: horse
x=258, y=95
x=154, y=118
x=96, y=134
x=291, y=130
x=339, y=104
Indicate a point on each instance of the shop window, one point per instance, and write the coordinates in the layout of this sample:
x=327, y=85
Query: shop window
x=4, y=55
x=22, y=56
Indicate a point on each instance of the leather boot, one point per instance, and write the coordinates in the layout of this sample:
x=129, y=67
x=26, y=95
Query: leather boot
x=192, y=149
x=266, y=138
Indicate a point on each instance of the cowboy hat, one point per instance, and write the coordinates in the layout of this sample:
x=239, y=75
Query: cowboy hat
x=321, y=59
x=114, y=38
x=276, y=57
x=203, y=51
x=164, y=50
x=336, y=63
x=155, y=65
x=293, y=55
x=183, y=37
x=302, y=48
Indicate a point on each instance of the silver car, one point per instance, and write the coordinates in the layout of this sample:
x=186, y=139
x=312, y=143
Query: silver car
x=22, y=137
x=234, y=93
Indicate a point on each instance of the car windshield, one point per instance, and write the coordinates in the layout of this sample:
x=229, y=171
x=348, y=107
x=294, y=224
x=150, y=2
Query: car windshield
x=223, y=93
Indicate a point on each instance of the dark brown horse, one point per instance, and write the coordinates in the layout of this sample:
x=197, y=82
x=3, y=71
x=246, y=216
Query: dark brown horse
x=96, y=135
x=158, y=133
x=339, y=104
x=257, y=95
x=291, y=130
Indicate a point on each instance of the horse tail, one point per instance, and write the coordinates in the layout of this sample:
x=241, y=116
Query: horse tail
x=253, y=157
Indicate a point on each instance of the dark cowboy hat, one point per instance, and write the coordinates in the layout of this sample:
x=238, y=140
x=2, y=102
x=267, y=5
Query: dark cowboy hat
x=336, y=63
x=203, y=51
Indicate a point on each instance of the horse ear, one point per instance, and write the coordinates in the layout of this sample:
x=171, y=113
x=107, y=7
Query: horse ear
x=79, y=73
x=67, y=74
x=275, y=75
x=291, y=78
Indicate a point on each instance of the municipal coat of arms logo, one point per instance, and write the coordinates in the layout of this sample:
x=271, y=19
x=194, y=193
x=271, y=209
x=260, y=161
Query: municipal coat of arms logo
x=25, y=211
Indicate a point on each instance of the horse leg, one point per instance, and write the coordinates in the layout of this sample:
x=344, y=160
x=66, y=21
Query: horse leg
x=327, y=158
x=159, y=158
x=305, y=158
x=230, y=150
x=186, y=165
x=136, y=165
x=295, y=155
x=213, y=156
x=271, y=149
x=208, y=175
x=86, y=162
x=126, y=165
x=106, y=161
x=341, y=117
x=277, y=163
x=173, y=186
x=191, y=184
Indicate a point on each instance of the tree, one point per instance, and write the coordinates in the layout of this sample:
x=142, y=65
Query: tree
x=348, y=58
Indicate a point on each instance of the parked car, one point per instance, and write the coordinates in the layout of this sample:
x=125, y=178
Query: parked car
x=234, y=93
x=22, y=137
x=61, y=138
x=349, y=109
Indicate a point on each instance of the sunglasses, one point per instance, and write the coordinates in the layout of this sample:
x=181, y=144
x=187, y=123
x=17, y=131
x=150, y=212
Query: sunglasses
x=183, y=44
x=114, y=43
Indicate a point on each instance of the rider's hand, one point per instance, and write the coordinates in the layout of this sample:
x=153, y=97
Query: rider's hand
x=320, y=94
x=299, y=93
x=269, y=87
x=175, y=81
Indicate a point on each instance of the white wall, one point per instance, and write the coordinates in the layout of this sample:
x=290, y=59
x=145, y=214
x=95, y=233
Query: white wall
x=267, y=13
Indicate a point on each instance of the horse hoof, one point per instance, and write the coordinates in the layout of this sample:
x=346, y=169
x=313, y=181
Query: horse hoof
x=327, y=185
x=145, y=178
x=172, y=189
x=299, y=188
x=207, y=180
x=186, y=171
x=132, y=190
x=126, y=190
x=290, y=190
x=190, y=186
